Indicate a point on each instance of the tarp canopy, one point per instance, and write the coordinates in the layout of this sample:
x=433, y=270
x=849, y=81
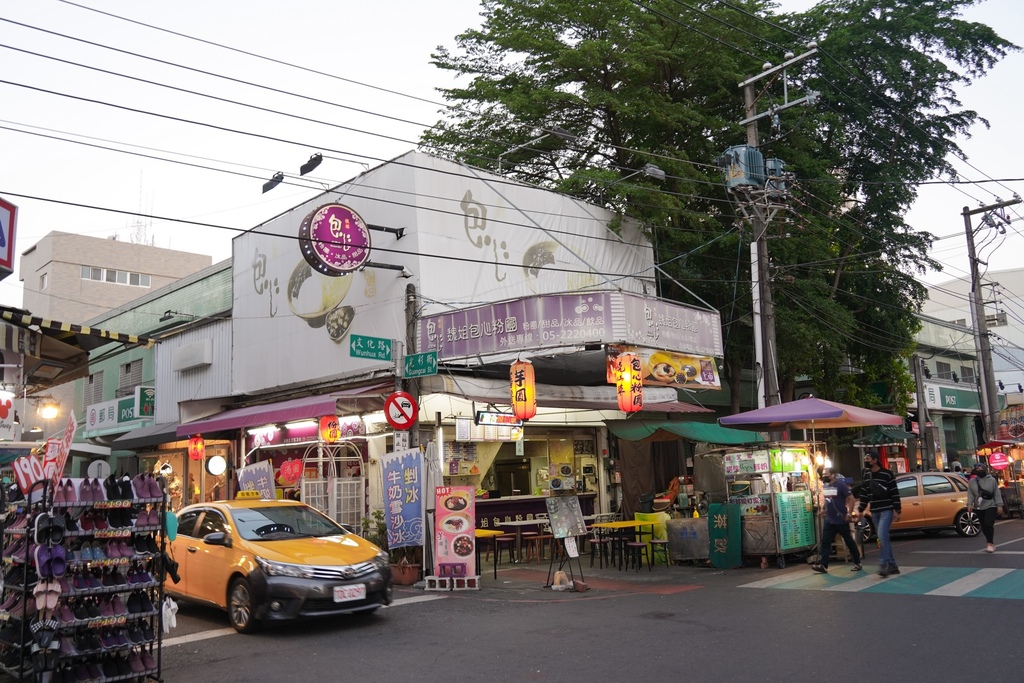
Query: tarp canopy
x=884, y=436
x=144, y=437
x=661, y=430
x=809, y=413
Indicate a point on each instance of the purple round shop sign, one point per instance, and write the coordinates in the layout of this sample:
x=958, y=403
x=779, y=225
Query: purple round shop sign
x=334, y=240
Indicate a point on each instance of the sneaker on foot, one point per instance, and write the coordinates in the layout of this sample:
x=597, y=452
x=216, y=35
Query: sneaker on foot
x=990, y=548
x=856, y=568
x=893, y=569
x=883, y=571
x=819, y=568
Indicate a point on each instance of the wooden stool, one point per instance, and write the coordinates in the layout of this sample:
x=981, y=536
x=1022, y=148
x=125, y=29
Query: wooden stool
x=502, y=543
x=634, y=549
x=659, y=546
x=599, y=545
x=533, y=547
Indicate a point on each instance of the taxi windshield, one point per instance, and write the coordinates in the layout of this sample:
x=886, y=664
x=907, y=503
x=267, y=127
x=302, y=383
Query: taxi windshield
x=282, y=523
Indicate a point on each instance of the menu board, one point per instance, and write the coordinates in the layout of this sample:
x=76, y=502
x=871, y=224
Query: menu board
x=755, y=462
x=752, y=506
x=796, y=520
x=565, y=516
x=454, y=537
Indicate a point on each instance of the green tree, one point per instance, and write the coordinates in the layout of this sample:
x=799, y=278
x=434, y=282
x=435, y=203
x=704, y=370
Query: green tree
x=655, y=81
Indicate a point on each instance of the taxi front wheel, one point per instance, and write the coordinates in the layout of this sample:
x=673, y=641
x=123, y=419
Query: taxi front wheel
x=967, y=523
x=240, y=607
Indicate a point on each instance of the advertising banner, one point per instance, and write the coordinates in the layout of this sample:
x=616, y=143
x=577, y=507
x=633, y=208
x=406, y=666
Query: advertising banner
x=668, y=368
x=455, y=522
x=402, y=481
x=725, y=535
x=257, y=477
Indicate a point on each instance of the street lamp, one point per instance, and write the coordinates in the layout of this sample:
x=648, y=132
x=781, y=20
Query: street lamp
x=556, y=131
x=49, y=409
x=649, y=170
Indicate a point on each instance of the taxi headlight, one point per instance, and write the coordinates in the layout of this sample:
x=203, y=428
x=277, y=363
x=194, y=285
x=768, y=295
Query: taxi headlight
x=381, y=560
x=282, y=569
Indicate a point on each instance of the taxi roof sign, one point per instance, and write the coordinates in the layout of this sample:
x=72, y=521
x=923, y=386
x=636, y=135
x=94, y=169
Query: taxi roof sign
x=248, y=495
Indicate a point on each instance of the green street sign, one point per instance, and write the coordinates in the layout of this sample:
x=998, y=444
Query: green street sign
x=420, y=364
x=374, y=348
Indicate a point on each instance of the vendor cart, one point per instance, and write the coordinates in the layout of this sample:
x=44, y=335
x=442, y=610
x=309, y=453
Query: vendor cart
x=1012, y=499
x=776, y=521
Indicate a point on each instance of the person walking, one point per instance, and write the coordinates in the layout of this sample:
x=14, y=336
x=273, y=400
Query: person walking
x=985, y=498
x=881, y=493
x=839, y=504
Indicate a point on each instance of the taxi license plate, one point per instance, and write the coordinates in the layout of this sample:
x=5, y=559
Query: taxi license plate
x=346, y=593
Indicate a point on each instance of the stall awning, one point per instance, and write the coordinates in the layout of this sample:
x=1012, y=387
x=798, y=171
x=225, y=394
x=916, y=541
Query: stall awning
x=82, y=336
x=283, y=411
x=659, y=430
x=883, y=436
x=143, y=437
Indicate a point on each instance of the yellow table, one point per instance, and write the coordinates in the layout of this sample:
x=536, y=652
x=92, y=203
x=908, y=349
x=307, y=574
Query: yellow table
x=488, y=533
x=620, y=526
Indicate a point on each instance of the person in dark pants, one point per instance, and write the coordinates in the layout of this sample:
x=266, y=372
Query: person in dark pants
x=984, y=498
x=838, y=513
x=882, y=494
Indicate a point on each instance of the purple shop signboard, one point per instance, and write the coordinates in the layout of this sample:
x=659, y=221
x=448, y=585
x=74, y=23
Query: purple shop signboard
x=334, y=240
x=535, y=322
x=561, y=320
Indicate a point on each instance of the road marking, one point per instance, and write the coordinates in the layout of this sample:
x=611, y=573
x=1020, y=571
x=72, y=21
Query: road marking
x=776, y=580
x=966, y=552
x=869, y=581
x=970, y=582
x=202, y=635
x=217, y=633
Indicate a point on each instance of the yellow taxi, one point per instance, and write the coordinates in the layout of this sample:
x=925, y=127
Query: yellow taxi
x=271, y=560
x=930, y=502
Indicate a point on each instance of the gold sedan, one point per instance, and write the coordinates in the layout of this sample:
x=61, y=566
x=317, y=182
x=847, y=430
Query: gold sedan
x=931, y=501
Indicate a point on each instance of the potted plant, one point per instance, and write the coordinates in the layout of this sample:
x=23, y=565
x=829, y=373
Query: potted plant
x=405, y=562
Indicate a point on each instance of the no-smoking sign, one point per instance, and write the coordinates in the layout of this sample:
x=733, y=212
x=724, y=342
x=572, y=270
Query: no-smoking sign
x=400, y=410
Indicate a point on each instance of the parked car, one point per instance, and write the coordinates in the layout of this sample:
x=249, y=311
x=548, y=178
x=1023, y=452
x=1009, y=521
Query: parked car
x=269, y=560
x=931, y=501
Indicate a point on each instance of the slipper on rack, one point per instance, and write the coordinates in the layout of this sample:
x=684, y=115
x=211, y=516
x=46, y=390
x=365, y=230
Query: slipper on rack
x=53, y=591
x=42, y=527
x=58, y=563
x=57, y=524
x=42, y=558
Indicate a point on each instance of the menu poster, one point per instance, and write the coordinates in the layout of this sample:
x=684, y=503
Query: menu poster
x=756, y=462
x=752, y=506
x=402, y=481
x=796, y=520
x=565, y=516
x=454, y=538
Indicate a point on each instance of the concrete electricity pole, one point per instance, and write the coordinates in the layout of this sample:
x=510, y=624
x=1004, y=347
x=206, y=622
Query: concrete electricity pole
x=924, y=432
x=759, y=213
x=982, y=343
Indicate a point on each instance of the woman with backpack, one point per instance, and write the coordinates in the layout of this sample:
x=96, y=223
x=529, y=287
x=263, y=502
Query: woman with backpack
x=984, y=497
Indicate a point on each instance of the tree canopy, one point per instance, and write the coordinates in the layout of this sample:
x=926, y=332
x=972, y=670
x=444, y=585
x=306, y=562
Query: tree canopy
x=656, y=81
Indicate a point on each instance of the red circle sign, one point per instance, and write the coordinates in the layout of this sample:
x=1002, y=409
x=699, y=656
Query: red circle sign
x=998, y=461
x=400, y=410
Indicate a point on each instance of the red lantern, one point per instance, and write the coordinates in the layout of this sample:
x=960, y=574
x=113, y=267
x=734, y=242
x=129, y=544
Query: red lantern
x=330, y=430
x=524, y=390
x=629, y=386
x=197, y=447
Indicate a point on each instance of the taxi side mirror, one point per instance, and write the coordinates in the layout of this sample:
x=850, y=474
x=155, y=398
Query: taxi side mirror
x=217, y=538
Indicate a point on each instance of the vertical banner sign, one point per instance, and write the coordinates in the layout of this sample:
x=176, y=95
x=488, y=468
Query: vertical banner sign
x=455, y=522
x=403, y=497
x=257, y=477
x=724, y=535
x=55, y=459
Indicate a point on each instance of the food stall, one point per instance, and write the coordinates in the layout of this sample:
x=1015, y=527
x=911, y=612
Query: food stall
x=772, y=485
x=1005, y=460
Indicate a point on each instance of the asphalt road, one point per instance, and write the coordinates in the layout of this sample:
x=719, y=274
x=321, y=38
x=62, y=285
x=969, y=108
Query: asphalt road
x=953, y=615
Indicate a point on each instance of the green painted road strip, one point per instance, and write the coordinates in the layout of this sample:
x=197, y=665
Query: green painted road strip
x=990, y=582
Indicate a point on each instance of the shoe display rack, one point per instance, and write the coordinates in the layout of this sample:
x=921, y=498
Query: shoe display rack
x=83, y=582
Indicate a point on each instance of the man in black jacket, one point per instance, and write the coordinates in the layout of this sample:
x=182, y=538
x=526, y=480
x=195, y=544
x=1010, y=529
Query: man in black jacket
x=881, y=493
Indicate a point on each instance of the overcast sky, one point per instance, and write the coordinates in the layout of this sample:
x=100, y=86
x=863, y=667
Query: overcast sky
x=386, y=44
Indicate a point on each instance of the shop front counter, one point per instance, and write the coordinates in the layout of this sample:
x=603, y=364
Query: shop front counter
x=491, y=511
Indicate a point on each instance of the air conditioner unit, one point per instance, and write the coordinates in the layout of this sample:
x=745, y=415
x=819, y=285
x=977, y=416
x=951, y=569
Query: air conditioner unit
x=562, y=483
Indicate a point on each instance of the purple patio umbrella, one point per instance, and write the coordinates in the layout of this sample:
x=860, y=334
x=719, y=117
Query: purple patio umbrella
x=808, y=413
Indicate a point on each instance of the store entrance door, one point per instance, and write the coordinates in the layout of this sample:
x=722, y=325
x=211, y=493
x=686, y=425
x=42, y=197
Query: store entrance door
x=513, y=478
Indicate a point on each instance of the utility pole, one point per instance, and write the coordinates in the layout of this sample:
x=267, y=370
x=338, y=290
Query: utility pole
x=924, y=433
x=982, y=343
x=759, y=213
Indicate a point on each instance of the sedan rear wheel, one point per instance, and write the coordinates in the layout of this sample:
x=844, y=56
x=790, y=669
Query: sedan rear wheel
x=240, y=607
x=967, y=524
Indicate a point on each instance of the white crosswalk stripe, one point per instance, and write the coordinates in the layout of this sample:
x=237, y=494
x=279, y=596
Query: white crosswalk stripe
x=969, y=583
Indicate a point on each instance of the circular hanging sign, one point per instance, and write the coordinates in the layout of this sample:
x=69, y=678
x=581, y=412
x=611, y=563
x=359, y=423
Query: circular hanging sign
x=400, y=410
x=998, y=461
x=334, y=240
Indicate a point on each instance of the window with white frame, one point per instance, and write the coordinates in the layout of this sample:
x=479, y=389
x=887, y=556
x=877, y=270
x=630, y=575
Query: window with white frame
x=94, y=388
x=117, y=277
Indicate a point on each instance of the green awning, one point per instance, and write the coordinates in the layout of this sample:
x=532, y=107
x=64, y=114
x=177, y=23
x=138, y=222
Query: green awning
x=884, y=436
x=661, y=430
